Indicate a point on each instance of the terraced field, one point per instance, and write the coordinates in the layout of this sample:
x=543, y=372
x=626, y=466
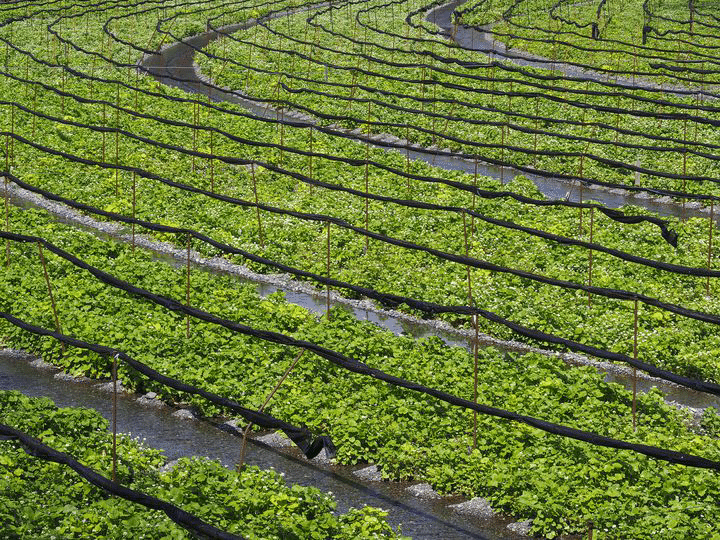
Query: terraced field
x=407, y=154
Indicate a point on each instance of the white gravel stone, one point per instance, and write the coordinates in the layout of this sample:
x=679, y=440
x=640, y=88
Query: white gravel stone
x=41, y=364
x=423, y=491
x=276, y=440
x=72, y=378
x=185, y=414
x=521, y=527
x=108, y=387
x=370, y=474
x=478, y=507
x=323, y=458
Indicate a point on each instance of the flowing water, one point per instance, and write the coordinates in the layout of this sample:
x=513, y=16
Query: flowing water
x=181, y=437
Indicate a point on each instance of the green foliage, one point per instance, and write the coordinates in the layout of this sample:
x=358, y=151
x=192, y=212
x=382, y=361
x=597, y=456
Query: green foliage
x=45, y=500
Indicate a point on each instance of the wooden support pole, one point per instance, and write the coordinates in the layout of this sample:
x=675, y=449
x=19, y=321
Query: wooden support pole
x=12, y=136
x=241, y=462
x=502, y=154
x=328, y=270
x=635, y=356
x=212, y=163
x=590, y=255
x=134, y=200
x=187, y=285
x=710, y=243
x=50, y=294
x=7, y=151
x=474, y=322
x=257, y=206
x=35, y=91
x=195, y=130
x=367, y=199
x=117, y=140
x=104, y=116
x=7, y=223
x=114, y=418
x=310, y=158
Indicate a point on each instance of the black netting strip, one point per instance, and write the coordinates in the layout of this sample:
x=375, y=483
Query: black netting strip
x=392, y=300
x=361, y=368
x=311, y=446
x=186, y=520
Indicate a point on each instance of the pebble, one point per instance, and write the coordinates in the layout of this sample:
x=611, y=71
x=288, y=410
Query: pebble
x=370, y=473
x=521, y=527
x=478, y=507
x=276, y=440
x=423, y=491
x=185, y=414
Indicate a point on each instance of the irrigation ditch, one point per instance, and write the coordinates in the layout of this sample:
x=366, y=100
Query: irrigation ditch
x=419, y=512
x=174, y=65
x=429, y=519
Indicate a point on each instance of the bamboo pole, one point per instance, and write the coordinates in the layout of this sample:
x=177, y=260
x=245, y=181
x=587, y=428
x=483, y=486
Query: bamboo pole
x=187, y=285
x=635, y=356
x=50, y=294
x=257, y=206
x=134, y=182
x=590, y=255
x=328, y=270
x=241, y=462
x=114, y=418
x=7, y=223
x=710, y=243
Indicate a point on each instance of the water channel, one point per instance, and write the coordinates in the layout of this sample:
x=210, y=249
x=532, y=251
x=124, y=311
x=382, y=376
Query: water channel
x=181, y=437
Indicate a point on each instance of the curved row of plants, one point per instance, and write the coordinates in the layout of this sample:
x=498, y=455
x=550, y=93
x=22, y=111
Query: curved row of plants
x=561, y=484
x=666, y=41
x=433, y=92
x=46, y=500
x=301, y=244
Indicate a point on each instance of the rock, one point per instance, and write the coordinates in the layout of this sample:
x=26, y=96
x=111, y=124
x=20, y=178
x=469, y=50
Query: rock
x=108, y=387
x=323, y=457
x=478, y=507
x=150, y=402
x=150, y=395
x=185, y=414
x=72, y=378
x=423, y=491
x=41, y=364
x=276, y=440
x=370, y=474
x=521, y=527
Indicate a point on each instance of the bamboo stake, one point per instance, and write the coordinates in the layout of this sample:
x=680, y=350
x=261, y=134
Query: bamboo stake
x=474, y=197
x=7, y=223
x=241, y=463
x=117, y=140
x=133, y=210
x=212, y=164
x=50, y=294
x=35, y=90
x=473, y=320
x=590, y=262
x=12, y=135
x=310, y=158
x=114, y=419
x=187, y=286
x=257, y=206
x=635, y=356
x=710, y=242
x=367, y=199
x=195, y=130
x=328, y=270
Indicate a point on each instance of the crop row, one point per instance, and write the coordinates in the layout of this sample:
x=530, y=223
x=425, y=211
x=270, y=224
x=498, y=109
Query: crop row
x=47, y=500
